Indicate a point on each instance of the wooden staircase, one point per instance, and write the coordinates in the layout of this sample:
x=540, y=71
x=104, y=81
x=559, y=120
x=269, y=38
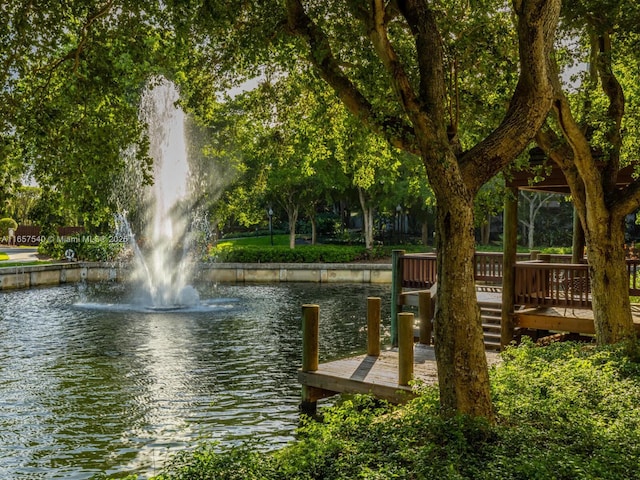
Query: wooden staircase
x=491, y=314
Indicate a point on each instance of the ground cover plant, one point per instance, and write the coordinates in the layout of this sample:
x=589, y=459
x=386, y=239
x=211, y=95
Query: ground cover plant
x=564, y=411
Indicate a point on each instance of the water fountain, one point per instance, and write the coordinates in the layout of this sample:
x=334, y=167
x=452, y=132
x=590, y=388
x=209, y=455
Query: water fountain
x=162, y=268
x=161, y=254
x=116, y=385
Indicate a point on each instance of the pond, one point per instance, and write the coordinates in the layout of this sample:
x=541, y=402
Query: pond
x=85, y=388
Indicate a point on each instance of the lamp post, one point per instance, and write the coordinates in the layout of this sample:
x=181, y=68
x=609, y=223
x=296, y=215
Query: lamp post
x=270, y=213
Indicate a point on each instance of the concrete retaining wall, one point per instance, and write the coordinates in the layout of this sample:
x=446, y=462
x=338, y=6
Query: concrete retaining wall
x=295, y=272
x=55, y=274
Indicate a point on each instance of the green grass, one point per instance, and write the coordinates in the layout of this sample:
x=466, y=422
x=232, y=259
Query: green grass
x=262, y=241
x=566, y=411
x=24, y=264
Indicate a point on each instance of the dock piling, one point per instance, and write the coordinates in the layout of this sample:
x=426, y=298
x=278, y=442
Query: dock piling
x=405, y=348
x=373, y=326
x=310, y=337
x=425, y=311
x=310, y=354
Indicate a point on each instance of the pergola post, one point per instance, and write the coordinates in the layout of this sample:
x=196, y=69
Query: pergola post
x=510, y=246
x=577, y=248
x=397, y=275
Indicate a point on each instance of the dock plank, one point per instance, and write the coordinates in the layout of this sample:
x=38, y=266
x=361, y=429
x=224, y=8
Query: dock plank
x=561, y=319
x=377, y=376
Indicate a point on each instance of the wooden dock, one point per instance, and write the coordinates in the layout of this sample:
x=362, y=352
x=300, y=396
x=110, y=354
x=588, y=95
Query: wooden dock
x=387, y=374
x=375, y=375
x=564, y=319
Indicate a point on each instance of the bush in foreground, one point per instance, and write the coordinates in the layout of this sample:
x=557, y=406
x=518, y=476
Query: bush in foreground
x=566, y=411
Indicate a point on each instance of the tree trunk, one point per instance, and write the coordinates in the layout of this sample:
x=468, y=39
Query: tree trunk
x=485, y=231
x=462, y=364
x=367, y=217
x=368, y=231
x=609, y=282
x=292, y=214
x=314, y=229
x=425, y=233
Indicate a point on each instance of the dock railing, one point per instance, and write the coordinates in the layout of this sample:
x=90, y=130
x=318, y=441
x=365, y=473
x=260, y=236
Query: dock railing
x=540, y=280
x=420, y=270
x=558, y=284
x=552, y=284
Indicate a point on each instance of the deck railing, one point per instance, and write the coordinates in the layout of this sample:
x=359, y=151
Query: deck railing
x=633, y=269
x=536, y=283
x=556, y=284
x=552, y=284
x=419, y=270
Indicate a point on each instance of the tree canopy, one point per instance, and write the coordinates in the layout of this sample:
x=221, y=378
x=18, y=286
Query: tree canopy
x=71, y=75
x=439, y=82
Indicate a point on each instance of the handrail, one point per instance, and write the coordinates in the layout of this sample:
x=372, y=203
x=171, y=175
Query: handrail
x=537, y=283
x=552, y=284
x=633, y=270
x=419, y=270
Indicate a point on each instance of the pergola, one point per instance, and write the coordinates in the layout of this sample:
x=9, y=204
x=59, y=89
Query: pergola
x=554, y=182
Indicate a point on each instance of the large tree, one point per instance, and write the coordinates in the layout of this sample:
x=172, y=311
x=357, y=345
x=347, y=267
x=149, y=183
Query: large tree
x=388, y=64
x=592, y=135
x=71, y=74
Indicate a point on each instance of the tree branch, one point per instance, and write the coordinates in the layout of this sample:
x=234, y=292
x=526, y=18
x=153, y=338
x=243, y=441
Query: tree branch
x=612, y=89
x=428, y=42
x=394, y=129
x=531, y=100
x=626, y=200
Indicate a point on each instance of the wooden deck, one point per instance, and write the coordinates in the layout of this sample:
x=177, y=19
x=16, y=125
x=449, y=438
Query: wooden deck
x=564, y=319
x=374, y=375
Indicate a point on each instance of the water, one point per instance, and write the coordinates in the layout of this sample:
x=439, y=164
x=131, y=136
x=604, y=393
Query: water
x=87, y=390
x=162, y=269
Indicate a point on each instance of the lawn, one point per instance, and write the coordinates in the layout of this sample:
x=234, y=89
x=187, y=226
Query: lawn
x=262, y=241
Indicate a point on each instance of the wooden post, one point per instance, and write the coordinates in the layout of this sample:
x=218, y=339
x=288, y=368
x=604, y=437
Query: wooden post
x=310, y=353
x=425, y=311
x=373, y=326
x=578, y=243
x=310, y=337
x=396, y=289
x=405, y=348
x=510, y=247
x=533, y=254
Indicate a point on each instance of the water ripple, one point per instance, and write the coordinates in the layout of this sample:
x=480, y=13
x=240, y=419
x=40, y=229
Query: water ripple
x=86, y=390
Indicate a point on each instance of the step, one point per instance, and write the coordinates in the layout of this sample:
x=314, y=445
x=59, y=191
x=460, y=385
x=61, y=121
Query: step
x=488, y=328
x=491, y=309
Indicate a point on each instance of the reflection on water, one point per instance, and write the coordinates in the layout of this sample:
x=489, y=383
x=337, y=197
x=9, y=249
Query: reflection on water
x=86, y=389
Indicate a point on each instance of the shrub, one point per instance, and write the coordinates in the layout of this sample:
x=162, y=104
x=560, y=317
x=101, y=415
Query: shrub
x=90, y=248
x=6, y=224
x=228, y=252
